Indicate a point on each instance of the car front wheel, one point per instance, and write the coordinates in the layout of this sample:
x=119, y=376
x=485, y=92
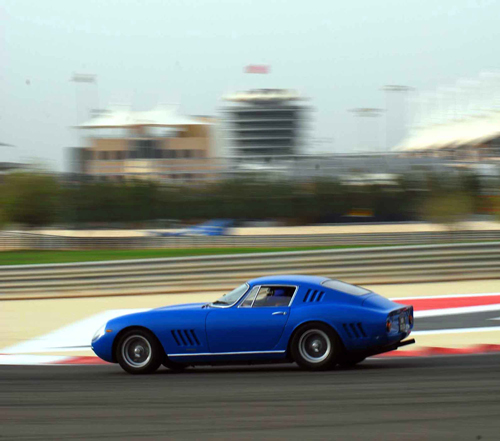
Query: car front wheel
x=139, y=352
x=316, y=347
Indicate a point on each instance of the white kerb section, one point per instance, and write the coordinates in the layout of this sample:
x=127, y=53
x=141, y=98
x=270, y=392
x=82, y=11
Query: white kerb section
x=75, y=337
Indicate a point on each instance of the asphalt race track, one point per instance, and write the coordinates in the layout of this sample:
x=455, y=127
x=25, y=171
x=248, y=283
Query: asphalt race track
x=412, y=399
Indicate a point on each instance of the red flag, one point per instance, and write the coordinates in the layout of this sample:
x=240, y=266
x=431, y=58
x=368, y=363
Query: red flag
x=257, y=69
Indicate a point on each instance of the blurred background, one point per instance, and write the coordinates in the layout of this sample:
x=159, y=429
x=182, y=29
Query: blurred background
x=248, y=111
x=230, y=139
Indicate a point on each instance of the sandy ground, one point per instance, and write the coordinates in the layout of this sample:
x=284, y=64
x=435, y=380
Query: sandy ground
x=22, y=320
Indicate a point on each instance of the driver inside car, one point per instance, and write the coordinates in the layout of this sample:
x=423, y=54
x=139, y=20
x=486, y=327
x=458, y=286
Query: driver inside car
x=275, y=297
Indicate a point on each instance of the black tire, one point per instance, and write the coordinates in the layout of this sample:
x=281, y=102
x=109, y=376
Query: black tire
x=173, y=366
x=350, y=361
x=316, y=346
x=139, y=352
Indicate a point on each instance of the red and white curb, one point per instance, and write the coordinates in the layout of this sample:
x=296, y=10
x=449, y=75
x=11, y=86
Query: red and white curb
x=78, y=335
x=435, y=351
x=29, y=360
x=434, y=306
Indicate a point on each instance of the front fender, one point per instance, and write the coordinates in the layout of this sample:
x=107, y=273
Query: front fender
x=104, y=347
x=179, y=331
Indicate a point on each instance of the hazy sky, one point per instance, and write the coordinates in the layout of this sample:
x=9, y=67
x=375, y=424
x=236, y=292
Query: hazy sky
x=337, y=53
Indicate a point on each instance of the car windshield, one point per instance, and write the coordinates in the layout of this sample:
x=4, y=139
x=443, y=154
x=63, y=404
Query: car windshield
x=231, y=297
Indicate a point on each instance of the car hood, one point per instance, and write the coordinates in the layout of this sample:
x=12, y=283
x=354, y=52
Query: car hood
x=180, y=307
x=144, y=317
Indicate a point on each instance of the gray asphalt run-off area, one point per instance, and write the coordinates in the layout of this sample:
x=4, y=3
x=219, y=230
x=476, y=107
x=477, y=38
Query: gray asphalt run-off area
x=476, y=319
x=455, y=397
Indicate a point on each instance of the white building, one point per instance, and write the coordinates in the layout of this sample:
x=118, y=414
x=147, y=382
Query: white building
x=462, y=120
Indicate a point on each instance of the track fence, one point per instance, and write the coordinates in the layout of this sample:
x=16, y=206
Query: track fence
x=32, y=241
x=395, y=264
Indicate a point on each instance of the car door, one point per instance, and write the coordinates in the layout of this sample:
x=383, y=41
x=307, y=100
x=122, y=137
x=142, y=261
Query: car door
x=254, y=325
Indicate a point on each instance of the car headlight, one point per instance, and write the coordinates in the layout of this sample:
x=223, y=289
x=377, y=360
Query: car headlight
x=100, y=332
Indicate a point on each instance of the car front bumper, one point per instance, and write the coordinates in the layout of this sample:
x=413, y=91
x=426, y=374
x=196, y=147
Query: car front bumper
x=103, y=348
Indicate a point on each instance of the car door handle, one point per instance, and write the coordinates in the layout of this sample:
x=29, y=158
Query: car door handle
x=279, y=313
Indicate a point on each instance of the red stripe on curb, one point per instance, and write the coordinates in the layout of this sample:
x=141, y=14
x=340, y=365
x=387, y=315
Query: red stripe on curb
x=88, y=360
x=449, y=302
x=433, y=351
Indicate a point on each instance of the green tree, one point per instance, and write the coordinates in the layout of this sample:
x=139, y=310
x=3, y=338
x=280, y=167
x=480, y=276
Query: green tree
x=447, y=208
x=31, y=199
x=3, y=220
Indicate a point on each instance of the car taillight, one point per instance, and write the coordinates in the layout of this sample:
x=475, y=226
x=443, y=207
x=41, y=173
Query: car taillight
x=388, y=325
x=410, y=319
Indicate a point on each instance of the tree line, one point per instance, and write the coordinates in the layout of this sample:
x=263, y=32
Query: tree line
x=34, y=199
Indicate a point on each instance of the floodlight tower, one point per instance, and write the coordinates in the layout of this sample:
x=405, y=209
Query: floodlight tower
x=364, y=115
x=396, y=120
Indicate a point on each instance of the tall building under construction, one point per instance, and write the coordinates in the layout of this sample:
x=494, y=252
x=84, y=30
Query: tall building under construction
x=264, y=123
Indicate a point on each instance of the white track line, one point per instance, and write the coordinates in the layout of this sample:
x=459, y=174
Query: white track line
x=447, y=296
x=457, y=331
x=76, y=336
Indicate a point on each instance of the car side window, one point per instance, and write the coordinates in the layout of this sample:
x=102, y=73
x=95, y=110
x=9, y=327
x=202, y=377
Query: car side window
x=247, y=303
x=274, y=296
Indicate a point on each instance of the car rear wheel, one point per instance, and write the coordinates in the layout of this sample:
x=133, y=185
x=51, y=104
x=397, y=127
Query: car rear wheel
x=139, y=352
x=316, y=347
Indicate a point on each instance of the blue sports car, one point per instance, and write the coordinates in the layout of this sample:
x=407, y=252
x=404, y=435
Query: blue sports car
x=314, y=321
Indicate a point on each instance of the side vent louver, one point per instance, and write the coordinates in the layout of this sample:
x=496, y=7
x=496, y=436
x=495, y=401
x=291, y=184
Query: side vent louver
x=360, y=327
x=185, y=337
x=354, y=330
x=313, y=295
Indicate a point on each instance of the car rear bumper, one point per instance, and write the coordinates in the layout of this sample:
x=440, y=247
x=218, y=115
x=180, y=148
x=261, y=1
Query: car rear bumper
x=387, y=348
x=393, y=346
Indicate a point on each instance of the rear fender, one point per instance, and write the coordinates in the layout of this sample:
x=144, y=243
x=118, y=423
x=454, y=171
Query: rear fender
x=367, y=323
x=299, y=326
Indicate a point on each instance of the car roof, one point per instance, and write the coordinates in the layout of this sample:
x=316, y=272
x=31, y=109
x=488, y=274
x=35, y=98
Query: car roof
x=289, y=280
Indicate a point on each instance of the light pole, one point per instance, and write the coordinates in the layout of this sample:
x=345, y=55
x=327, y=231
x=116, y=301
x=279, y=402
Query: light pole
x=4, y=144
x=363, y=113
x=397, y=116
x=82, y=79
x=79, y=78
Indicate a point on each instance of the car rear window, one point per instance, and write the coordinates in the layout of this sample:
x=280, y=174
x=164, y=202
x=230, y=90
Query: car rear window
x=337, y=285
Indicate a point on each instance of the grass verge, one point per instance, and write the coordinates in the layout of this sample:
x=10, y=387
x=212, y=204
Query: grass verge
x=31, y=257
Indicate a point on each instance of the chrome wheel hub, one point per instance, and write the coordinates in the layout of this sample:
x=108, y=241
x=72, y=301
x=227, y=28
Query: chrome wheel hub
x=136, y=351
x=314, y=346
